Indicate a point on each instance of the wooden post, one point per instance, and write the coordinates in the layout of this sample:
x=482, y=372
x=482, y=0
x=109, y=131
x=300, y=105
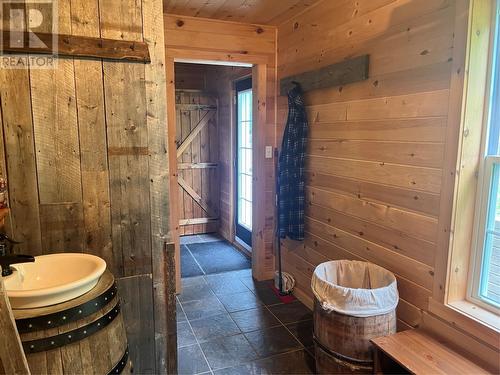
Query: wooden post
x=12, y=358
x=171, y=308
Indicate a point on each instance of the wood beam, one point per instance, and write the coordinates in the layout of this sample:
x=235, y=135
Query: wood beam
x=75, y=46
x=342, y=73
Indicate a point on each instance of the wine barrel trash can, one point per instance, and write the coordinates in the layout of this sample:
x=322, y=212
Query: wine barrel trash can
x=354, y=302
x=85, y=335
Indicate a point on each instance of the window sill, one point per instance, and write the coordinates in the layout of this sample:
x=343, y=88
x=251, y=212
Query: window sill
x=476, y=321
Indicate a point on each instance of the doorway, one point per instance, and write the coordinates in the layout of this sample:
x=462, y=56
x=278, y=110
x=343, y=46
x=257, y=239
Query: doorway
x=214, y=167
x=257, y=68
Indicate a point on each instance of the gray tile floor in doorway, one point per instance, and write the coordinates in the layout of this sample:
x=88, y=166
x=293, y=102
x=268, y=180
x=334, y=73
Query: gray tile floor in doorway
x=230, y=324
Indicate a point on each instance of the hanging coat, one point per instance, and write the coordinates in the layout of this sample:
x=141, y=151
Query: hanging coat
x=291, y=169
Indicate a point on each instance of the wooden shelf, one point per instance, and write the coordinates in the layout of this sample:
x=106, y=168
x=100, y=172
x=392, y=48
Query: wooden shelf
x=417, y=352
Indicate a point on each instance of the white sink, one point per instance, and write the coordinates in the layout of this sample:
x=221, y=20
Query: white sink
x=52, y=279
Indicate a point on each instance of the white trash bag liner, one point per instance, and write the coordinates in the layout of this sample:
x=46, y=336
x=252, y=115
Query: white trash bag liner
x=355, y=288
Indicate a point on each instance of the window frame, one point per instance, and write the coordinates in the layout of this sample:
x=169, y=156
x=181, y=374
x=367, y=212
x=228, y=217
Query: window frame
x=480, y=222
x=474, y=21
x=486, y=168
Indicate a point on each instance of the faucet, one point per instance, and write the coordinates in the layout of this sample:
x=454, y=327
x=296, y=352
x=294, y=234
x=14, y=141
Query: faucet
x=6, y=260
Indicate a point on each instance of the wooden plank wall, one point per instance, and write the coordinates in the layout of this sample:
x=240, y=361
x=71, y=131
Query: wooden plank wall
x=86, y=160
x=198, y=38
x=376, y=151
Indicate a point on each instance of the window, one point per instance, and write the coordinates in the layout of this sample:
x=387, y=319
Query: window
x=484, y=288
x=244, y=156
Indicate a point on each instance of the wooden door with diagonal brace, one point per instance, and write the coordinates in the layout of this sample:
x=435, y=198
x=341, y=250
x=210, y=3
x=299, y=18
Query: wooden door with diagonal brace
x=197, y=158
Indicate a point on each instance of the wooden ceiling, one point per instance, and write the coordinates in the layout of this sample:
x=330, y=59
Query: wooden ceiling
x=268, y=12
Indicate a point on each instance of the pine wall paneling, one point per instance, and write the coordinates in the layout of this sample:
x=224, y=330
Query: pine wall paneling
x=86, y=159
x=258, y=11
x=377, y=148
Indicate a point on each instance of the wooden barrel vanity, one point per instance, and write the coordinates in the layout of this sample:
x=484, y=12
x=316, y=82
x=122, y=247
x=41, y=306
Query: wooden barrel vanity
x=85, y=335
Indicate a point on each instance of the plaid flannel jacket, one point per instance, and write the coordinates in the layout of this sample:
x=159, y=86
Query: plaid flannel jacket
x=291, y=173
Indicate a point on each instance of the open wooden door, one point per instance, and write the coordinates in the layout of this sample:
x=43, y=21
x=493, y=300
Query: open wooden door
x=197, y=159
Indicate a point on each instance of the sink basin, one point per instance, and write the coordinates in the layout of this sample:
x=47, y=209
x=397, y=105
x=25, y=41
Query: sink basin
x=52, y=279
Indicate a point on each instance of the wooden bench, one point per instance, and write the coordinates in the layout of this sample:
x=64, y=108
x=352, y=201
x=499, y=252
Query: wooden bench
x=416, y=352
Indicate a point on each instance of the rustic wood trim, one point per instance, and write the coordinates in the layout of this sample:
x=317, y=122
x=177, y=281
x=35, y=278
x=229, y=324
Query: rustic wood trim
x=452, y=261
x=262, y=268
x=196, y=197
x=184, y=166
x=201, y=220
x=172, y=164
x=171, y=307
x=341, y=73
x=82, y=46
x=216, y=56
x=203, y=122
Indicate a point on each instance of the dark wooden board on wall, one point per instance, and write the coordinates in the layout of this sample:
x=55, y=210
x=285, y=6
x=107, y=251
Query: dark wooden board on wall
x=79, y=46
x=341, y=73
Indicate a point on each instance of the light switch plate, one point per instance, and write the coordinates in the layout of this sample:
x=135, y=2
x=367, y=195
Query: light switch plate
x=269, y=152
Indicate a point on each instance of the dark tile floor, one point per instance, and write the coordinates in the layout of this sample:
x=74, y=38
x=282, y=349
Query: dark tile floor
x=230, y=324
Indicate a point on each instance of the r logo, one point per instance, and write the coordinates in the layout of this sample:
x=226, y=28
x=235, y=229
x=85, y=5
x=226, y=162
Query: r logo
x=22, y=24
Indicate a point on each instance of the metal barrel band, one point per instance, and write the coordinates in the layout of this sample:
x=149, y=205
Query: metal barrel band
x=67, y=316
x=121, y=364
x=345, y=360
x=52, y=342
